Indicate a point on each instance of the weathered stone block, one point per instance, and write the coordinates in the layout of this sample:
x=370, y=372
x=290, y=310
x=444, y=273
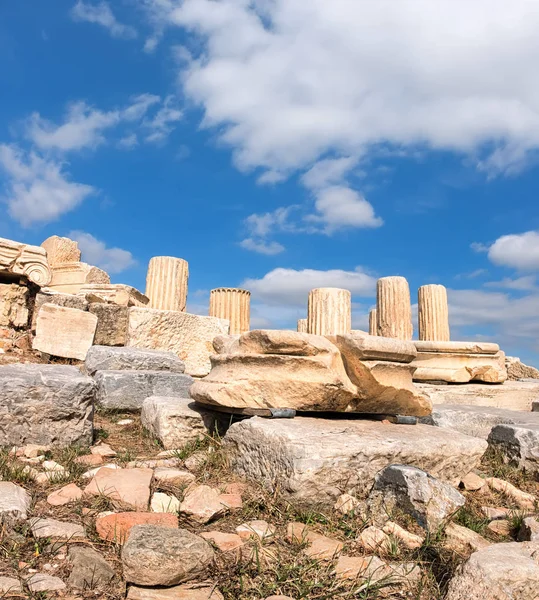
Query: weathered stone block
x=72, y=276
x=111, y=324
x=519, y=444
x=14, y=305
x=61, y=250
x=65, y=332
x=518, y=370
x=188, y=336
x=177, y=421
x=29, y=261
x=48, y=296
x=104, y=358
x=476, y=420
x=46, y=405
x=127, y=390
x=115, y=293
x=313, y=461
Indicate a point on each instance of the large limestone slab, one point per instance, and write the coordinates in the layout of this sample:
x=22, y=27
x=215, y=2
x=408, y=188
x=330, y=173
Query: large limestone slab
x=373, y=347
x=115, y=293
x=313, y=461
x=64, y=332
x=460, y=367
x=45, y=405
x=111, y=323
x=383, y=387
x=127, y=390
x=499, y=572
x=61, y=250
x=176, y=422
x=104, y=358
x=189, y=336
x=477, y=421
x=457, y=347
x=513, y=395
x=21, y=259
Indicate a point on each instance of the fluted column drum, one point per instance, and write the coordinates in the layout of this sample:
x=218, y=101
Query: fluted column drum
x=433, y=313
x=302, y=325
x=232, y=304
x=394, y=308
x=166, y=283
x=329, y=311
x=373, y=323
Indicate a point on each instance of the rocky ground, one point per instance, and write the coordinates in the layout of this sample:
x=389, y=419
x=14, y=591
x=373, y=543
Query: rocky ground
x=125, y=517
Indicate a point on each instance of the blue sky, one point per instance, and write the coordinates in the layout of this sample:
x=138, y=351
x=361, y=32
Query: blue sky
x=283, y=145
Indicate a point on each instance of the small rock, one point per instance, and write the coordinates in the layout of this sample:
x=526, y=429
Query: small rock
x=529, y=530
x=373, y=539
x=196, y=460
x=226, y=542
x=14, y=503
x=410, y=540
x=170, y=474
x=353, y=567
x=523, y=499
x=40, y=582
x=164, y=503
x=93, y=472
x=463, y=540
x=115, y=527
x=124, y=422
x=34, y=450
x=90, y=460
x=65, y=495
x=255, y=529
x=10, y=586
x=51, y=465
x=322, y=547
x=494, y=513
x=90, y=570
x=346, y=504
x=103, y=450
x=126, y=486
x=235, y=488
x=197, y=591
x=164, y=556
x=296, y=533
x=56, y=530
x=231, y=501
x=500, y=527
x=472, y=482
x=203, y=504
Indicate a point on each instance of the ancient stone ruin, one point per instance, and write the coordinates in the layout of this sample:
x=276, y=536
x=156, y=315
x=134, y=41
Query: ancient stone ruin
x=149, y=453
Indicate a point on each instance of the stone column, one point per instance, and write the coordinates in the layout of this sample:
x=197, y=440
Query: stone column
x=329, y=312
x=232, y=304
x=433, y=314
x=166, y=283
x=302, y=325
x=373, y=324
x=393, y=308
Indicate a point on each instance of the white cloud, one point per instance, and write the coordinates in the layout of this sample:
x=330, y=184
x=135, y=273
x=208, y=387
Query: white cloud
x=291, y=287
x=83, y=127
x=523, y=284
x=38, y=190
x=161, y=125
x=339, y=207
x=95, y=252
x=520, y=251
x=139, y=106
x=102, y=14
x=262, y=247
x=288, y=81
x=128, y=142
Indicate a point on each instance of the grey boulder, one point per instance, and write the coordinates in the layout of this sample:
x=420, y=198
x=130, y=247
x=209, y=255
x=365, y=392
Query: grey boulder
x=164, y=556
x=519, y=445
x=108, y=358
x=45, y=405
x=429, y=501
x=127, y=390
x=90, y=570
x=14, y=503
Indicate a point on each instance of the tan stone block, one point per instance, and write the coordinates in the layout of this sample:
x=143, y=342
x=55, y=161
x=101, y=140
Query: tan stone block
x=371, y=347
x=112, y=322
x=457, y=347
x=189, y=336
x=115, y=293
x=61, y=250
x=460, y=367
x=14, y=305
x=64, y=332
x=71, y=277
